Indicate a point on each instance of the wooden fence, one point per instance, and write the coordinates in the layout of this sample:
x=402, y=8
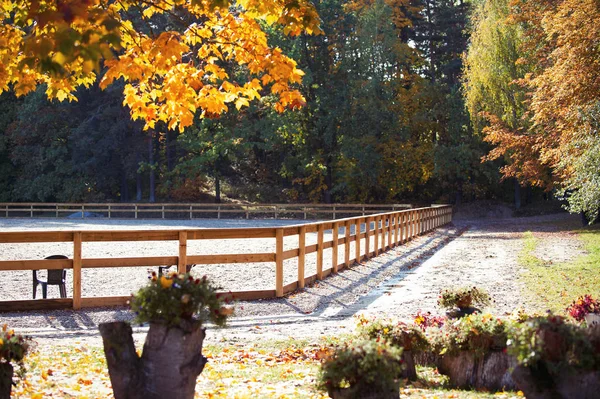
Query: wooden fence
x=388, y=229
x=191, y=211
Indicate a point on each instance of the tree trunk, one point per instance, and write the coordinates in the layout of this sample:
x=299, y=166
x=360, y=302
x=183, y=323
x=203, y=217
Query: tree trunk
x=170, y=364
x=538, y=383
x=409, y=371
x=491, y=372
x=6, y=375
x=138, y=180
x=122, y=360
x=459, y=193
x=535, y=384
x=124, y=186
x=517, y=195
x=152, y=197
x=365, y=391
x=328, y=183
x=217, y=188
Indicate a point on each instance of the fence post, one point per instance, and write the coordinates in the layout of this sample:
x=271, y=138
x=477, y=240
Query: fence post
x=247, y=214
x=182, y=259
x=347, y=244
x=389, y=217
x=367, y=237
x=334, y=212
x=136, y=210
x=31, y=212
x=279, y=262
x=163, y=211
x=396, y=220
x=275, y=211
x=191, y=212
x=334, y=249
x=304, y=209
x=376, y=236
x=320, y=251
x=219, y=212
x=82, y=211
x=6, y=210
x=363, y=211
x=357, y=240
x=109, y=211
x=301, y=255
x=77, y=270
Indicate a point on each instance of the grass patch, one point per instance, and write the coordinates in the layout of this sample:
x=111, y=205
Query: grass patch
x=554, y=286
x=262, y=369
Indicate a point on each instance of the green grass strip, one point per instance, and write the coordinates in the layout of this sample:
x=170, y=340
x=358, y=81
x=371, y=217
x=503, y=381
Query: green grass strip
x=552, y=286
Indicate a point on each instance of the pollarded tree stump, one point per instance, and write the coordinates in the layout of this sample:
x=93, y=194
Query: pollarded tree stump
x=491, y=372
x=6, y=376
x=538, y=383
x=168, y=368
x=365, y=391
x=408, y=370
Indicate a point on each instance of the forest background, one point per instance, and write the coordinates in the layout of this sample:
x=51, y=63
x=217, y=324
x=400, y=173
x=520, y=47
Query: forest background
x=405, y=101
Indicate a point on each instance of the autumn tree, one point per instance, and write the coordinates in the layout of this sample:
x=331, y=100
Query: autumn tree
x=170, y=74
x=494, y=64
x=532, y=73
x=564, y=41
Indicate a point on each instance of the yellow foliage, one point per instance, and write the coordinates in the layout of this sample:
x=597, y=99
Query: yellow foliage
x=169, y=75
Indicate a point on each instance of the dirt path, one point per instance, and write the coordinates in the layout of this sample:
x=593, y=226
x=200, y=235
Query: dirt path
x=481, y=252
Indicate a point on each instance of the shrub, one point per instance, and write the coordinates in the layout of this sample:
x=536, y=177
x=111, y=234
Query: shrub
x=476, y=333
x=398, y=334
x=178, y=297
x=370, y=364
x=13, y=347
x=463, y=298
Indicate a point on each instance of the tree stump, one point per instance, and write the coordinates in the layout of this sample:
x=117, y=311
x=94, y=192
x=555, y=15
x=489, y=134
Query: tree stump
x=459, y=312
x=365, y=391
x=168, y=368
x=6, y=376
x=426, y=358
x=490, y=372
x=408, y=370
x=538, y=383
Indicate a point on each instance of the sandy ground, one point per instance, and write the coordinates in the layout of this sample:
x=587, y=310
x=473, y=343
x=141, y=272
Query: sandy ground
x=397, y=284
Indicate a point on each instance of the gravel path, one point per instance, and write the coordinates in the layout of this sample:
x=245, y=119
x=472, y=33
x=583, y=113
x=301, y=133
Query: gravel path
x=480, y=252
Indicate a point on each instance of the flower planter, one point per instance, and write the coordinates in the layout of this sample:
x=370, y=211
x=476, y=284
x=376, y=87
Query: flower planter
x=170, y=363
x=365, y=391
x=408, y=370
x=6, y=376
x=592, y=319
x=459, y=312
x=538, y=383
x=490, y=372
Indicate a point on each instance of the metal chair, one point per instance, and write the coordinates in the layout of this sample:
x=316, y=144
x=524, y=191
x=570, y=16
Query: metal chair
x=55, y=277
x=163, y=269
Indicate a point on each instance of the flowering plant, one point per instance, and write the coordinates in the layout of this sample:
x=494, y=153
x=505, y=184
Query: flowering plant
x=463, y=298
x=367, y=365
x=13, y=347
x=476, y=333
x=553, y=341
x=426, y=320
x=179, y=297
x=398, y=334
x=582, y=306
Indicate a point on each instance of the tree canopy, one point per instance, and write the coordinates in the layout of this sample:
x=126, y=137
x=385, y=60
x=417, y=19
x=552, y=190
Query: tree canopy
x=533, y=75
x=171, y=54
